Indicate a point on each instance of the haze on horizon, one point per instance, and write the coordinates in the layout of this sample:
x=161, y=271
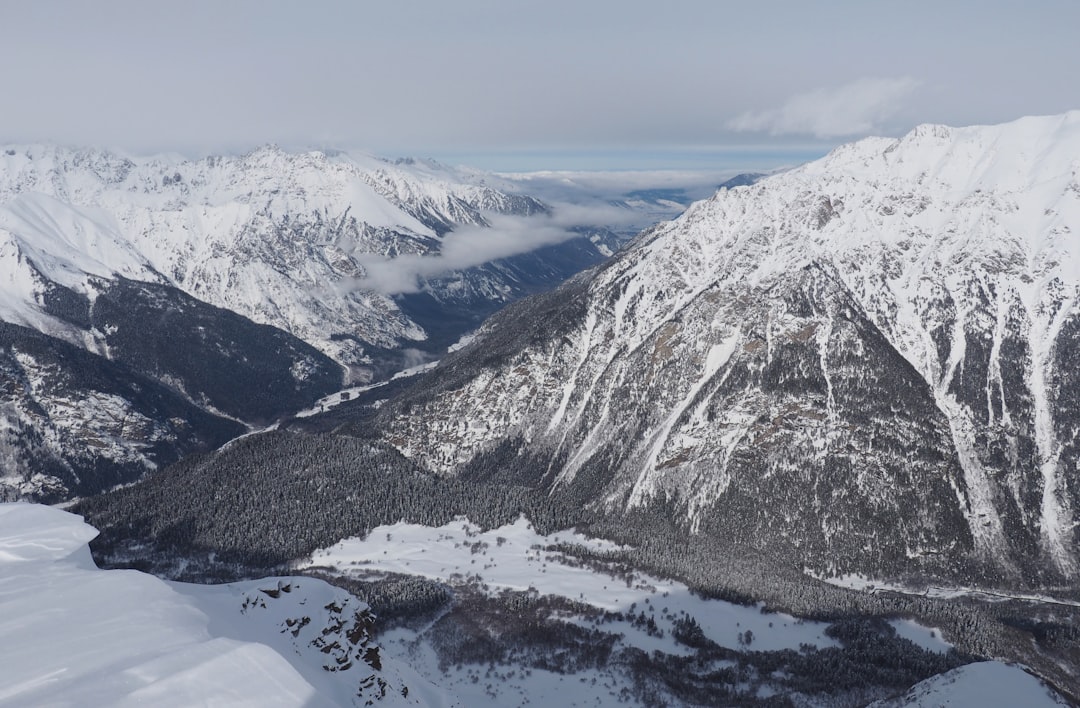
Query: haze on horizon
x=527, y=85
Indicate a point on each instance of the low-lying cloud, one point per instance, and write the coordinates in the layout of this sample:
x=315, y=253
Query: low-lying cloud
x=469, y=246
x=857, y=108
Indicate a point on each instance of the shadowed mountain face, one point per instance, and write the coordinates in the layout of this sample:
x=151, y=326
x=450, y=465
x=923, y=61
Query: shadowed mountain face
x=865, y=365
x=171, y=376
x=252, y=372
x=74, y=423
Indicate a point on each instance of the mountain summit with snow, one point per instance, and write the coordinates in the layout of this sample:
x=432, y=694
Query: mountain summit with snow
x=865, y=364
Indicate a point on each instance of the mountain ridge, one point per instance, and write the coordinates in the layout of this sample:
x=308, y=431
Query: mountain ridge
x=958, y=257
x=267, y=234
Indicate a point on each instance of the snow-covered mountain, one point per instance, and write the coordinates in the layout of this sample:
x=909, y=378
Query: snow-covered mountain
x=75, y=635
x=866, y=364
x=250, y=286
x=282, y=238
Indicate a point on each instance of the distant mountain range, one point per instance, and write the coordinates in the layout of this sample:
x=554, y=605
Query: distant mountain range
x=238, y=289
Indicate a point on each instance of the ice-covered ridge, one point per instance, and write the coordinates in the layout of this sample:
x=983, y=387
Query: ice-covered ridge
x=1009, y=157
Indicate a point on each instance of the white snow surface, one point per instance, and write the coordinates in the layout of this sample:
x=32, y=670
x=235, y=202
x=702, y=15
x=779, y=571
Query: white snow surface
x=928, y=638
x=74, y=635
x=986, y=684
x=516, y=557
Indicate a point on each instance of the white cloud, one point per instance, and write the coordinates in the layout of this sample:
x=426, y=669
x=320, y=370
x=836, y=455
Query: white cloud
x=857, y=108
x=593, y=213
x=470, y=246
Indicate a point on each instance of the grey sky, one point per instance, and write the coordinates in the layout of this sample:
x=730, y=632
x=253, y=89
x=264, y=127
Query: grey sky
x=504, y=80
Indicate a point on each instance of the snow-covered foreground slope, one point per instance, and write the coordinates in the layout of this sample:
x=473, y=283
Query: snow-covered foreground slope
x=988, y=684
x=74, y=635
x=866, y=364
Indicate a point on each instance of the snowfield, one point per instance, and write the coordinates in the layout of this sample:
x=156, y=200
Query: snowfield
x=515, y=557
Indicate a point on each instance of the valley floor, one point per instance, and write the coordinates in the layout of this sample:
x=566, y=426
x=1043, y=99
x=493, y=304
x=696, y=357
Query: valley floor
x=631, y=614
x=526, y=619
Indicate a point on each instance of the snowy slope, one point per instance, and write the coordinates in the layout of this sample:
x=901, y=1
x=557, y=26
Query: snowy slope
x=868, y=360
x=78, y=636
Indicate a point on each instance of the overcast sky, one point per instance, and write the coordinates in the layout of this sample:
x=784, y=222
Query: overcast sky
x=518, y=84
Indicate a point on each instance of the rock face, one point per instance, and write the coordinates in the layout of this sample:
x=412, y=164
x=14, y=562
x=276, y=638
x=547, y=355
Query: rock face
x=868, y=363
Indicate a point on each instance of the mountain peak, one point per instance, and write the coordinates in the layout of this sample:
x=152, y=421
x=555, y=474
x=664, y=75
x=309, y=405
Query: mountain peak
x=1014, y=156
